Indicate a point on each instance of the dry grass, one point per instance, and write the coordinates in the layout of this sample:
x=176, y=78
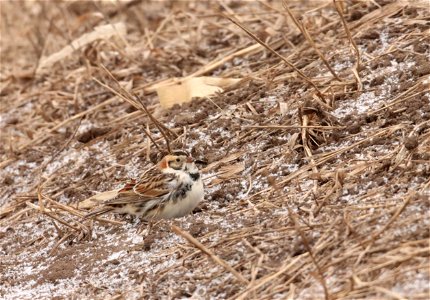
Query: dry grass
x=318, y=176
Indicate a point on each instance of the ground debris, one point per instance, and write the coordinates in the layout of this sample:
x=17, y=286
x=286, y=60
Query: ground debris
x=317, y=160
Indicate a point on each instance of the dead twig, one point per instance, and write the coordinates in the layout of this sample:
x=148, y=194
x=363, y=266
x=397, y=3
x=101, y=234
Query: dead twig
x=308, y=37
x=206, y=251
x=357, y=67
x=265, y=45
x=308, y=248
x=140, y=105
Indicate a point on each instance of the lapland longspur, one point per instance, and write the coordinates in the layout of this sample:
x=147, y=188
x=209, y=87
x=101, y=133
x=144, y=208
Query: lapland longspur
x=172, y=189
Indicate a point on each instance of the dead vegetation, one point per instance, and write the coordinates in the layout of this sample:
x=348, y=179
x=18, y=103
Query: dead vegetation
x=318, y=154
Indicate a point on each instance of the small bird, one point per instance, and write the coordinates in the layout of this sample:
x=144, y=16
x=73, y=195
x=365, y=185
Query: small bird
x=170, y=190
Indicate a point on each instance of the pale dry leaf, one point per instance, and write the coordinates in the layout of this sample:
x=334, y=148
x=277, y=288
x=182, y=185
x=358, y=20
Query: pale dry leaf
x=227, y=172
x=283, y=108
x=179, y=91
x=226, y=159
x=99, y=33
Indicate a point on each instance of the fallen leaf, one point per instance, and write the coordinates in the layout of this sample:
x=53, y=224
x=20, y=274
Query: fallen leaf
x=179, y=91
x=226, y=159
x=99, y=32
x=226, y=172
x=283, y=108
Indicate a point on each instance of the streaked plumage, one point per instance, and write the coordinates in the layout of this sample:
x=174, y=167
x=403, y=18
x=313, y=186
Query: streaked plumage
x=172, y=189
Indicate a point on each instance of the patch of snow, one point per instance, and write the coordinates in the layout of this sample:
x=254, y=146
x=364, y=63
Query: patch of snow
x=384, y=39
x=341, y=66
x=369, y=100
x=77, y=158
x=117, y=255
x=417, y=283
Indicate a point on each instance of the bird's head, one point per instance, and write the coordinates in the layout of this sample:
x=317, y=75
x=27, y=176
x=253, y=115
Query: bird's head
x=177, y=160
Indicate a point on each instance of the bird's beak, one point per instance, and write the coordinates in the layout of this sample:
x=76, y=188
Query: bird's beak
x=190, y=159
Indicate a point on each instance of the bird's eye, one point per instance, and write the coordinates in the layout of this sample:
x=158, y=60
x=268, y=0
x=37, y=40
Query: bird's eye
x=178, y=160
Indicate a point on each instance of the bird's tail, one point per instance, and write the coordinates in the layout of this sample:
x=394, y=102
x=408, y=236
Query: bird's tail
x=98, y=199
x=98, y=212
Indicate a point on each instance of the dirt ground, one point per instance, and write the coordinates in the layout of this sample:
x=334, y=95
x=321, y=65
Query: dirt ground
x=318, y=179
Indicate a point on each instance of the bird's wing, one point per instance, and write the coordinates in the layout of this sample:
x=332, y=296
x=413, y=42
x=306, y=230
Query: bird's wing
x=152, y=185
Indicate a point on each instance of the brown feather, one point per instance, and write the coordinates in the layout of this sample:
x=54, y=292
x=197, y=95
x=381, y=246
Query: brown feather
x=149, y=187
x=135, y=196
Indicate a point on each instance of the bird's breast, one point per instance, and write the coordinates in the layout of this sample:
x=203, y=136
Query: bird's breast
x=185, y=200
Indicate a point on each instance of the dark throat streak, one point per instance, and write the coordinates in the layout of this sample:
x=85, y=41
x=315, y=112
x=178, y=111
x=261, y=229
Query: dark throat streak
x=194, y=176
